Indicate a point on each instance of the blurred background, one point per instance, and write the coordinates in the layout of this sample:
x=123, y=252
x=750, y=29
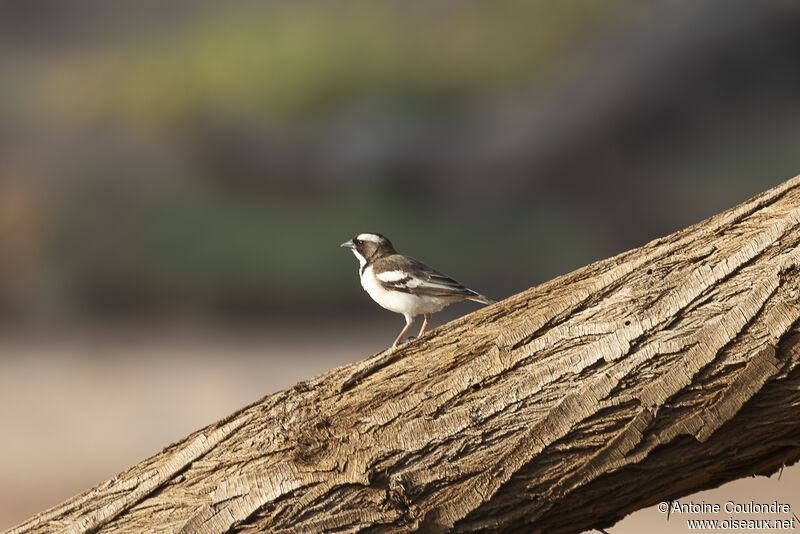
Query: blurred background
x=175, y=179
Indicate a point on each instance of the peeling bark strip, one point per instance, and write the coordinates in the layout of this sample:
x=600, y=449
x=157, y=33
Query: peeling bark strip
x=665, y=370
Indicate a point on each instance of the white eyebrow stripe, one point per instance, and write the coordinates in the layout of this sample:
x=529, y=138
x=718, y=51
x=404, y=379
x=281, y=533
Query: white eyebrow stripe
x=392, y=276
x=369, y=237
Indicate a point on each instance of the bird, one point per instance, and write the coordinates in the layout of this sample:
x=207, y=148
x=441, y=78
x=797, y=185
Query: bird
x=403, y=284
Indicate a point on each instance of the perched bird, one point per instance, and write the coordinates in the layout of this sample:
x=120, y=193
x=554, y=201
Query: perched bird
x=402, y=284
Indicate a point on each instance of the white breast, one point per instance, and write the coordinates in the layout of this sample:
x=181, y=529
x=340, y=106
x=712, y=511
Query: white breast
x=397, y=301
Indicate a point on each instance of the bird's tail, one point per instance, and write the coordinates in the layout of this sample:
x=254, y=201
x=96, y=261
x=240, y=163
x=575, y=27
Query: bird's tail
x=483, y=299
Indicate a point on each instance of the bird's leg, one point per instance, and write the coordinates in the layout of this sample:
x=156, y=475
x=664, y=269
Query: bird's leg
x=424, y=324
x=409, y=320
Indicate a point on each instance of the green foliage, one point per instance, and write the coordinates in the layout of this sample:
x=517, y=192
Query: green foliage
x=296, y=59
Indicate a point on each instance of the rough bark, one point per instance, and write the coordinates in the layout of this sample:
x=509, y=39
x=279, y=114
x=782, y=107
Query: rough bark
x=644, y=377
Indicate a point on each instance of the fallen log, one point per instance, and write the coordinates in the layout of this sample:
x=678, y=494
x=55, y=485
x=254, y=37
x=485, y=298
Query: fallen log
x=665, y=370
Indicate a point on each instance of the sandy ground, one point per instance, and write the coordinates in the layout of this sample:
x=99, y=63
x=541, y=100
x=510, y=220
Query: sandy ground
x=79, y=408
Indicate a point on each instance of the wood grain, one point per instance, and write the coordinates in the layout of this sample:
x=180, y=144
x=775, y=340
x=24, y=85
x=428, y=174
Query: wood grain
x=651, y=375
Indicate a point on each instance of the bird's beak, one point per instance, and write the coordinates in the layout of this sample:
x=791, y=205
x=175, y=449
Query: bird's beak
x=348, y=244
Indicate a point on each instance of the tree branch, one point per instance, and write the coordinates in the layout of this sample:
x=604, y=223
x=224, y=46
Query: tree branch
x=641, y=378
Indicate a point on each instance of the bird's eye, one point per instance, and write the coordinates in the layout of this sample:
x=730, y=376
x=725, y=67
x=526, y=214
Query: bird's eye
x=356, y=241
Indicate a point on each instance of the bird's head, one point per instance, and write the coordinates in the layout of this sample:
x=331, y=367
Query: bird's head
x=369, y=246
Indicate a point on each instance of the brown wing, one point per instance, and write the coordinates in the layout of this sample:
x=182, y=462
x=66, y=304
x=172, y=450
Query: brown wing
x=406, y=274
